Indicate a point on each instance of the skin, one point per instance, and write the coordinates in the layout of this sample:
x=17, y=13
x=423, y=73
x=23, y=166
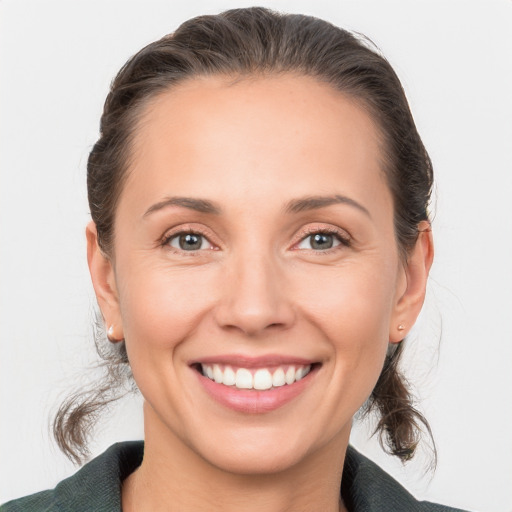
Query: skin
x=257, y=286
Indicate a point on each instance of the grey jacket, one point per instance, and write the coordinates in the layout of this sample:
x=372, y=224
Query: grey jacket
x=97, y=486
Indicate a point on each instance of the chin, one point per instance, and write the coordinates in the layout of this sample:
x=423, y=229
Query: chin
x=254, y=460
x=259, y=450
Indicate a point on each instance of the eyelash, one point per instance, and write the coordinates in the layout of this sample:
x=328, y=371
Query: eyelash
x=342, y=237
x=167, y=239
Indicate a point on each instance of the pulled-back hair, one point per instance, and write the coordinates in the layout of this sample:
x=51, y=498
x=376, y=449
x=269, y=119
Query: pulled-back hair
x=256, y=42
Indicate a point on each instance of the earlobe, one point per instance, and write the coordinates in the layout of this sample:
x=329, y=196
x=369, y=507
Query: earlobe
x=103, y=280
x=417, y=268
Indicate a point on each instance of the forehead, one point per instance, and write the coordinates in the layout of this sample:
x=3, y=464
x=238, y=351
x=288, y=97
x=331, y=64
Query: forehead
x=288, y=134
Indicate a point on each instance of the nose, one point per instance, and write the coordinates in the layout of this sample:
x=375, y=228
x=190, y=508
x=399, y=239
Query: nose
x=254, y=296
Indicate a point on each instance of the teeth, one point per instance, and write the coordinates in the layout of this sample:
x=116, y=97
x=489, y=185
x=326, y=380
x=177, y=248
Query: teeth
x=300, y=373
x=243, y=379
x=278, y=378
x=290, y=375
x=218, y=374
x=229, y=377
x=262, y=378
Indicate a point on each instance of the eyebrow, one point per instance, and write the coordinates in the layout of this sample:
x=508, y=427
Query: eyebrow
x=316, y=202
x=294, y=206
x=199, y=205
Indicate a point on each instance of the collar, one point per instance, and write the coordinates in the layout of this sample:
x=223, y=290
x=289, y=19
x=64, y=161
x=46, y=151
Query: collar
x=365, y=487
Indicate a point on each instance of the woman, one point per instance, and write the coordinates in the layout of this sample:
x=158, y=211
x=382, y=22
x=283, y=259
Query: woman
x=259, y=248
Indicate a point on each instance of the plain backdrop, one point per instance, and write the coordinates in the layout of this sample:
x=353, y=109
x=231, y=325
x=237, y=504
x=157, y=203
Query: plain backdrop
x=455, y=61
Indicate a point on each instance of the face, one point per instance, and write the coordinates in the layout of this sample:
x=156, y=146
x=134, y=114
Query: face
x=255, y=275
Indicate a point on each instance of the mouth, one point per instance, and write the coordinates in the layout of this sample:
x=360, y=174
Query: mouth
x=261, y=379
x=254, y=385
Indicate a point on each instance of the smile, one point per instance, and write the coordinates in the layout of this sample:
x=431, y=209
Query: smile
x=255, y=385
x=259, y=379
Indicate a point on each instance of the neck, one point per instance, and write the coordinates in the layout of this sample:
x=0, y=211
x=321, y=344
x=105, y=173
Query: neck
x=173, y=477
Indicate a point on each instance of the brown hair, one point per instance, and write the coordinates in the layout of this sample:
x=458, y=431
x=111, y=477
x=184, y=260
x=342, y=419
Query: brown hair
x=248, y=42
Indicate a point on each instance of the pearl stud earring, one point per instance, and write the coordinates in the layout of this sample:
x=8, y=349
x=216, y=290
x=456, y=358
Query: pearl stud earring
x=110, y=333
x=400, y=327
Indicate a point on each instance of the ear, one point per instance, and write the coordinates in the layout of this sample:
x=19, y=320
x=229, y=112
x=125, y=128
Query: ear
x=411, y=294
x=103, y=281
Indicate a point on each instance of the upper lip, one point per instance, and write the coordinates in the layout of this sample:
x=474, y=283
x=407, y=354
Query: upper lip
x=244, y=361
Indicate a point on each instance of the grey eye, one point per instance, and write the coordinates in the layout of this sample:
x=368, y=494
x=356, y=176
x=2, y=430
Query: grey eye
x=319, y=241
x=189, y=242
x=322, y=241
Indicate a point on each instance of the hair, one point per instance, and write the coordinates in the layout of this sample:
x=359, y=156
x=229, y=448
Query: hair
x=242, y=43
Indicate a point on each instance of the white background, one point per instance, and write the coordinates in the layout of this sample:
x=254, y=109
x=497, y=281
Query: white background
x=455, y=60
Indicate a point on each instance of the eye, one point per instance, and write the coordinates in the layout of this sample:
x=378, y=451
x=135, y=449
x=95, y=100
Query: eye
x=188, y=241
x=322, y=241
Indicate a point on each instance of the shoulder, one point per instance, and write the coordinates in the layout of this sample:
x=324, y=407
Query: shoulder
x=97, y=486
x=366, y=487
x=41, y=501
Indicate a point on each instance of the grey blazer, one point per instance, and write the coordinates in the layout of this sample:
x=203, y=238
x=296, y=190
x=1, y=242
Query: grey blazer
x=97, y=486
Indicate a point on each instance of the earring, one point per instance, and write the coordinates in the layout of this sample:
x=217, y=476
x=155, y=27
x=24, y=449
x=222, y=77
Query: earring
x=110, y=334
x=400, y=327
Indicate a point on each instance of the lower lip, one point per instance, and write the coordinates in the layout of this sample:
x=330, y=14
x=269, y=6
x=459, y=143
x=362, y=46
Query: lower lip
x=253, y=401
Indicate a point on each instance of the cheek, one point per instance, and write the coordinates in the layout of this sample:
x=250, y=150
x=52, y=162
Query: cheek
x=161, y=307
x=350, y=302
x=161, y=311
x=352, y=308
